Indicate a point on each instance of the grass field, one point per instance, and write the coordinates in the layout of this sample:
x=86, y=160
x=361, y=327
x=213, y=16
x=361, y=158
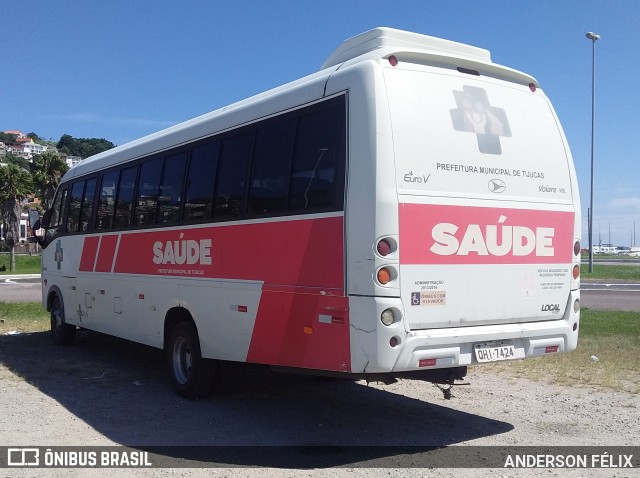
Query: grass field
x=612, y=337
x=23, y=317
x=618, y=272
x=25, y=264
x=608, y=355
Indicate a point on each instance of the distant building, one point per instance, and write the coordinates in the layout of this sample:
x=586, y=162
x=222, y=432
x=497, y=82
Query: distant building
x=18, y=150
x=30, y=148
x=605, y=249
x=72, y=160
x=23, y=147
x=19, y=134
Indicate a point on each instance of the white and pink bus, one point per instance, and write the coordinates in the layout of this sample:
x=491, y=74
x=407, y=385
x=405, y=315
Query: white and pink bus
x=409, y=210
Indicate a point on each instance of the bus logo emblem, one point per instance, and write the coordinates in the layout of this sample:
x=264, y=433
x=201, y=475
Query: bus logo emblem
x=497, y=186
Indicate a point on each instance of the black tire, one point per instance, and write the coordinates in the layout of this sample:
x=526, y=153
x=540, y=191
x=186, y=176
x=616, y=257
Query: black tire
x=191, y=375
x=63, y=334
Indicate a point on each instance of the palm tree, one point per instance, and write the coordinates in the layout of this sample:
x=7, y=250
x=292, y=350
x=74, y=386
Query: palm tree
x=47, y=169
x=15, y=186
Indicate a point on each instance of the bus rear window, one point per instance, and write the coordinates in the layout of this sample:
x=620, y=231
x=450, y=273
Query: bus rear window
x=455, y=134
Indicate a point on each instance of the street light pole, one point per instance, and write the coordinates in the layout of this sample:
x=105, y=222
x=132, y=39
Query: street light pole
x=593, y=37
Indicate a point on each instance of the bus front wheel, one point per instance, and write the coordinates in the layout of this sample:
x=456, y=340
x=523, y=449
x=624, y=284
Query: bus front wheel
x=63, y=334
x=191, y=375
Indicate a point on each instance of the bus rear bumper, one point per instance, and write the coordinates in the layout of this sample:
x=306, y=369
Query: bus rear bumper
x=424, y=349
x=393, y=349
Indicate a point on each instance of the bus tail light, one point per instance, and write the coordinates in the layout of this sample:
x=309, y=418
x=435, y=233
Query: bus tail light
x=576, y=306
x=576, y=248
x=576, y=271
x=383, y=247
x=386, y=246
x=384, y=275
x=393, y=61
x=551, y=349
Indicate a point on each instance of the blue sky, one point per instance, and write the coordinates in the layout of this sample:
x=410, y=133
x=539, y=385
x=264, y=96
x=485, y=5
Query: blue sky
x=122, y=69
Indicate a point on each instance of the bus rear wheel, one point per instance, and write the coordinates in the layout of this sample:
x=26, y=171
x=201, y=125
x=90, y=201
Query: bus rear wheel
x=63, y=334
x=191, y=375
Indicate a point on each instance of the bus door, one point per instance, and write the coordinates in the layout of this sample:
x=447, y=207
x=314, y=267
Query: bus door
x=81, y=197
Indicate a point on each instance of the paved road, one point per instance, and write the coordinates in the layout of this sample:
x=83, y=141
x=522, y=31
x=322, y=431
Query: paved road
x=23, y=289
x=610, y=296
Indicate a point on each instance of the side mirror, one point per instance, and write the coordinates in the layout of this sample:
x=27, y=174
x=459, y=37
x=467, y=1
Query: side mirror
x=36, y=223
x=34, y=220
x=46, y=219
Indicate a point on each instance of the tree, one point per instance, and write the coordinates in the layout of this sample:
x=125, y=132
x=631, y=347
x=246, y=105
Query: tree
x=7, y=138
x=47, y=169
x=83, y=147
x=19, y=161
x=15, y=186
x=34, y=137
x=65, y=145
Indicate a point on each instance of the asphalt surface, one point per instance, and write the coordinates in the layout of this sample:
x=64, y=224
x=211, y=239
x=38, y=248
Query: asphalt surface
x=24, y=288
x=610, y=296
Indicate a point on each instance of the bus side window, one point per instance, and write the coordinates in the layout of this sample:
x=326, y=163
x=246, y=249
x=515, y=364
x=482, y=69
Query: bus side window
x=171, y=188
x=319, y=152
x=200, y=182
x=229, y=202
x=58, y=208
x=146, y=204
x=107, y=201
x=124, y=197
x=75, y=203
x=269, y=191
x=55, y=222
x=86, y=209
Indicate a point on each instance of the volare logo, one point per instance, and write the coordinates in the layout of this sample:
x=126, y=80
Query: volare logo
x=497, y=239
x=439, y=234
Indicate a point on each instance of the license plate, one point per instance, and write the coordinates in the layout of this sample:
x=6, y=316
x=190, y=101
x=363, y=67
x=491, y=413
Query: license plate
x=494, y=351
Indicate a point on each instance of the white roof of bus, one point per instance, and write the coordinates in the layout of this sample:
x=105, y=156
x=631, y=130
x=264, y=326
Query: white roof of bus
x=382, y=38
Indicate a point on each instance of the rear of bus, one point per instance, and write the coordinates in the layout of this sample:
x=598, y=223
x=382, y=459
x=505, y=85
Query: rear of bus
x=478, y=259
